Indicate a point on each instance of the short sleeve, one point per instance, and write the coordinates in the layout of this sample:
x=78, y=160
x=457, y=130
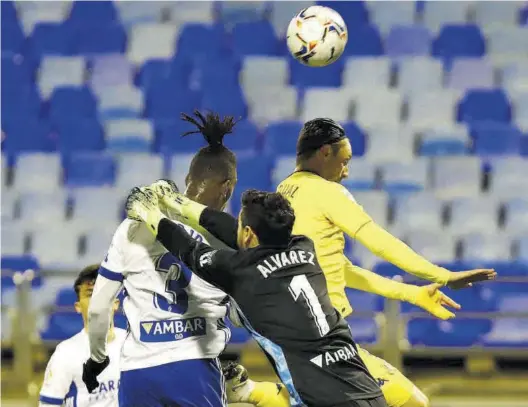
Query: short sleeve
x=57, y=379
x=214, y=266
x=343, y=210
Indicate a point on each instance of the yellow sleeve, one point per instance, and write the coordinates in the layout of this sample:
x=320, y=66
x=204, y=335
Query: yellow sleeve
x=390, y=248
x=341, y=208
x=365, y=280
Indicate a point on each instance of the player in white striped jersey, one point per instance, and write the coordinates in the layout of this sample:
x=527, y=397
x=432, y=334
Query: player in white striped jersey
x=63, y=385
x=175, y=318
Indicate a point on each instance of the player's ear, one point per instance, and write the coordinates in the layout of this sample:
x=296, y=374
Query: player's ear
x=77, y=307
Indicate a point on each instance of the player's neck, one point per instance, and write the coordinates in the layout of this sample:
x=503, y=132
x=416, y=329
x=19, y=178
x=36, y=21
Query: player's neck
x=308, y=166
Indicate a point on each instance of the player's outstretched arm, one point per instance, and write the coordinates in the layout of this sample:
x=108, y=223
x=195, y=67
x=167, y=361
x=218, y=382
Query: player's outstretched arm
x=429, y=297
x=346, y=213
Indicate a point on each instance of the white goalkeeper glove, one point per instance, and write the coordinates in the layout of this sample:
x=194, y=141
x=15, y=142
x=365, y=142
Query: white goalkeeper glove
x=142, y=205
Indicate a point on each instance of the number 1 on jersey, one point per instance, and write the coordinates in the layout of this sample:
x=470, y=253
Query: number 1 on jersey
x=300, y=285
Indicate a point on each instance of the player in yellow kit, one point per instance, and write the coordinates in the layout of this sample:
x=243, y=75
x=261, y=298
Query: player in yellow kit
x=324, y=209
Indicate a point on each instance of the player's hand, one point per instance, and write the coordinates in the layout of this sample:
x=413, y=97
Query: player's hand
x=92, y=369
x=464, y=279
x=431, y=299
x=165, y=189
x=142, y=205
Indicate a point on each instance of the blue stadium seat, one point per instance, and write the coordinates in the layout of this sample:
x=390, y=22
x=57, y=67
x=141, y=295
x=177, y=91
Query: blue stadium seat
x=225, y=100
x=129, y=136
x=12, y=36
x=120, y=102
x=254, y=172
x=484, y=105
x=27, y=135
x=404, y=41
x=103, y=39
x=62, y=325
x=51, y=39
x=357, y=138
x=281, y=138
x=153, y=70
x=198, y=41
x=364, y=302
x=365, y=330
x=16, y=72
x=245, y=138
x=522, y=250
x=9, y=14
x=363, y=40
x=164, y=101
x=458, y=41
x=19, y=263
x=69, y=103
x=354, y=12
x=439, y=142
x=255, y=38
x=492, y=138
x=305, y=76
x=66, y=297
x=83, y=170
x=24, y=102
x=503, y=269
x=169, y=138
x=282, y=168
x=93, y=15
x=110, y=70
x=79, y=134
x=214, y=71
x=454, y=333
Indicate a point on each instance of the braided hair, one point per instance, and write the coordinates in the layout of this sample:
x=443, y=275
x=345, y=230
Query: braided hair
x=215, y=159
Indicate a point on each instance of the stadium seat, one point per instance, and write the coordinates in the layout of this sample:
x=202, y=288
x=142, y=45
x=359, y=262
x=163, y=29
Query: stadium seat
x=368, y=105
x=62, y=325
x=516, y=216
x=325, y=102
x=85, y=170
x=470, y=73
x=505, y=180
x=435, y=246
x=258, y=71
x=79, y=134
x=255, y=38
x=34, y=14
x=484, y=105
x=151, y=40
x=468, y=215
x=495, y=138
x=375, y=203
x=418, y=211
x=281, y=138
x=200, y=40
x=419, y=74
x=385, y=144
x=283, y=12
x=226, y=101
x=522, y=250
x=520, y=106
x=25, y=135
x=432, y=109
x=132, y=13
x=455, y=177
x=304, y=76
x=244, y=139
x=515, y=76
x=509, y=332
x=269, y=103
x=447, y=142
x=103, y=40
x=192, y=12
x=363, y=40
x=129, y=135
x=254, y=172
x=179, y=167
x=436, y=14
x=479, y=247
x=404, y=178
x=66, y=297
x=37, y=172
x=283, y=168
x=357, y=138
x=110, y=71
x=12, y=37
x=169, y=139
x=13, y=238
x=69, y=103
x=120, y=102
x=365, y=330
x=95, y=207
x=387, y=15
x=96, y=15
x=212, y=71
x=137, y=169
x=242, y=11
x=456, y=41
x=506, y=40
x=367, y=72
x=405, y=41
x=9, y=204
x=18, y=263
x=97, y=242
x=50, y=39
x=164, y=99
x=488, y=13
x=17, y=73
x=57, y=71
x=51, y=255
x=361, y=175
x=46, y=208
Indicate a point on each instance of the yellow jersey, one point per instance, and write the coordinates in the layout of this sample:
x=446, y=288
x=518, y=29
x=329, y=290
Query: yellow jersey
x=323, y=211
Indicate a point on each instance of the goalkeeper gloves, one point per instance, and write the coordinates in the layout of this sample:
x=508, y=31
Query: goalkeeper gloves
x=142, y=205
x=168, y=194
x=92, y=369
x=431, y=299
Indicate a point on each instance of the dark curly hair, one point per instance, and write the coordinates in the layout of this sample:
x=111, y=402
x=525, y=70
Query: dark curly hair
x=215, y=159
x=269, y=215
x=87, y=275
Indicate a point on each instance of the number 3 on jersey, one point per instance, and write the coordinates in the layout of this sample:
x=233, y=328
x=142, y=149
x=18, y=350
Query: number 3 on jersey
x=300, y=285
x=178, y=279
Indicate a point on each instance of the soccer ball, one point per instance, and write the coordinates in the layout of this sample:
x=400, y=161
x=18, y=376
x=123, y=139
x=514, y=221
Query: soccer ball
x=317, y=36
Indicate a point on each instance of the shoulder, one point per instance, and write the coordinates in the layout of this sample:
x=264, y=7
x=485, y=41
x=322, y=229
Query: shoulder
x=70, y=349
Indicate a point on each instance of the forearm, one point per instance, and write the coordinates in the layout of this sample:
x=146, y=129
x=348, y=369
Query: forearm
x=221, y=225
x=176, y=240
x=100, y=315
x=383, y=244
x=365, y=280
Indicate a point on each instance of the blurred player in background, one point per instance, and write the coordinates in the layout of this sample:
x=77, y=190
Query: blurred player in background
x=63, y=384
x=325, y=209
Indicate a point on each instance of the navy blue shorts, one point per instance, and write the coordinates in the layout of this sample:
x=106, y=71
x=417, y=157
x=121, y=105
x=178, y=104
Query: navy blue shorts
x=189, y=383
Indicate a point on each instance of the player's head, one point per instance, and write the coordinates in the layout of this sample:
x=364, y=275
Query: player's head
x=266, y=218
x=324, y=148
x=212, y=175
x=83, y=286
